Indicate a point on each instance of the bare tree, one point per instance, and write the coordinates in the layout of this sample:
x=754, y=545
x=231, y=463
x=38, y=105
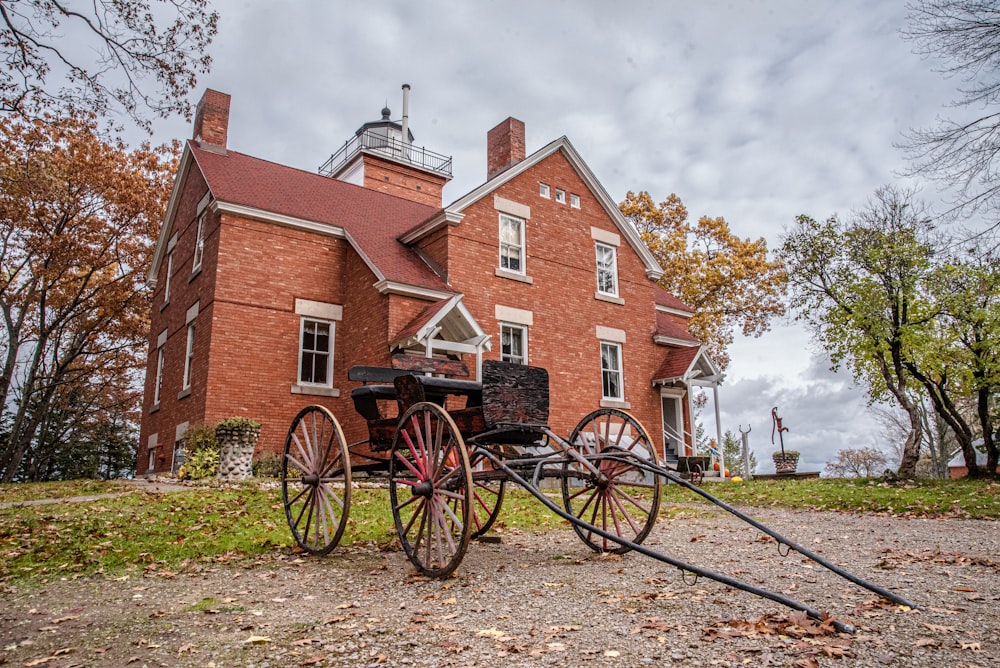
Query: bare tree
x=134, y=56
x=938, y=443
x=965, y=36
x=857, y=463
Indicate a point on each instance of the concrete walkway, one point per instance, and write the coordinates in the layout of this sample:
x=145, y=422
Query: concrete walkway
x=139, y=485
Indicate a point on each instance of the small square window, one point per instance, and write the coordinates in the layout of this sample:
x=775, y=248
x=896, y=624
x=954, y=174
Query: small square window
x=543, y=190
x=560, y=196
x=574, y=201
x=514, y=343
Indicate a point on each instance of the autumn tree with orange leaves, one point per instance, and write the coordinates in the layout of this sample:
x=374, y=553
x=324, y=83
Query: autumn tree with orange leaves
x=728, y=281
x=79, y=215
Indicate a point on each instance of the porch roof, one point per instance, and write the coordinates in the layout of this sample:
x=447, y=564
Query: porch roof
x=687, y=364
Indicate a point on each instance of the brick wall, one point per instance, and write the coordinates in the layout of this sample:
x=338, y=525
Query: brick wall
x=561, y=263
x=395, y=179
x=186, y=289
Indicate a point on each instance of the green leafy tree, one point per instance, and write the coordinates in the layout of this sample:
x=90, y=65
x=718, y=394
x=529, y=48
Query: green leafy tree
x=729, y=282
x=855, y=285
x=957, y=358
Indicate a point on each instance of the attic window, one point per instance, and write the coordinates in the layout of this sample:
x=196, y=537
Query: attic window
x=543, y=190
x=560, y=196
x=574, y=201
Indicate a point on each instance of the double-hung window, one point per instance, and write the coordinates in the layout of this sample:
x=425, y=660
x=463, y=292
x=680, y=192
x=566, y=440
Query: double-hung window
x=188, y=358
x=170, y=272
x=159, y=376
x=612, y=386
x=199, y=243
x=514, y=343
x=511, y=244
x=607, y=270
x=316, y=353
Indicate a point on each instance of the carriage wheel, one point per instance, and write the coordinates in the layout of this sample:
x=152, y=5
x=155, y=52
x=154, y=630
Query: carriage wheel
x=621, y=498
x=316, y=480
x=487, y=496
x=430, y=489
x=697, y=475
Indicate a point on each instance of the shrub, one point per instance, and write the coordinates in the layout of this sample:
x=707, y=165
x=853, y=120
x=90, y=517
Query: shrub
x=200, y=437
x=238, y=422
x=200, y=464
x=268, y=465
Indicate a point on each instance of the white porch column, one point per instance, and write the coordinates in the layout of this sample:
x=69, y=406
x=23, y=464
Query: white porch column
x=690, y=393
x=718, y=431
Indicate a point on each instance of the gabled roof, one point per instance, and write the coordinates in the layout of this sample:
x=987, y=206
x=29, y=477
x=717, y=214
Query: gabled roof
x=453, y=212
x=445, y=321
x=669, y=331
x=368, y=219
x=670, y=303
x=685, y=364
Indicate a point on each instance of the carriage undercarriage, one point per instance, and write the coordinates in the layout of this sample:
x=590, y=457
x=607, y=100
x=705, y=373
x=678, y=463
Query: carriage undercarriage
x=447, y=470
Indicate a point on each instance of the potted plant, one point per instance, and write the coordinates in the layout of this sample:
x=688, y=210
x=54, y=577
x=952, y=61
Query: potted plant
x=237, y=438
x=785, y=461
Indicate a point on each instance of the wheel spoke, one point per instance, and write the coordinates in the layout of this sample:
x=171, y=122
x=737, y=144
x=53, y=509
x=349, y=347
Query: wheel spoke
x=438, y=473
x=315, y=505
x=603, y=437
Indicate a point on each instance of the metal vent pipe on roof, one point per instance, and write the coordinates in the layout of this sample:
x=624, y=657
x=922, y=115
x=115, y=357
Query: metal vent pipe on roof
x=406, y=113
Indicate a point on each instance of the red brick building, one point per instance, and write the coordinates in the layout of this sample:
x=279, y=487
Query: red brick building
x=270, y=282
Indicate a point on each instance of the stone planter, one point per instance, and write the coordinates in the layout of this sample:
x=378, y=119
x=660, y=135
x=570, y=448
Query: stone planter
x=236, y=446
x=786, y=462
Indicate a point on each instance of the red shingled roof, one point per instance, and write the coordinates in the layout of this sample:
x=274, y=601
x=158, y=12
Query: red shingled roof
x=664, y=298
x=676, y=363
x=372, y=218
x=667, y=325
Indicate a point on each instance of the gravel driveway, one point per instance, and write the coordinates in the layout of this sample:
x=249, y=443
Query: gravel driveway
x=537, y=600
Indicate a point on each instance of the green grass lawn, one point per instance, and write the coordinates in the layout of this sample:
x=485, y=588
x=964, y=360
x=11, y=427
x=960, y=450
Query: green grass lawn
x=144, y=532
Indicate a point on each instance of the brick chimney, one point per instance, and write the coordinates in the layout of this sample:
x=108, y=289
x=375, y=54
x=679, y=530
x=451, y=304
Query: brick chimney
x=504, y=146
x=211, y=121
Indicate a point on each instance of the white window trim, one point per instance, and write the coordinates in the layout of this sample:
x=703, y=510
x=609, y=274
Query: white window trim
x=166, y=284
x=199, y=244
x=522, y=271
x=524, y=340
x=158, y=382
x=305, y=385
x=188, y=360
x=613, y=402
x=560, y=196
x=151, y=451
x=598, y=246
x=544, y=190
x=574, y=200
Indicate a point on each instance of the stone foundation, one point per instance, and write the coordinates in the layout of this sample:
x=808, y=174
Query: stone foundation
x=236, y=448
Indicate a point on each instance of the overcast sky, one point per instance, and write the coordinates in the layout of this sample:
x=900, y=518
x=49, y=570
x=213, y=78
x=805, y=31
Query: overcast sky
x=754, y=111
